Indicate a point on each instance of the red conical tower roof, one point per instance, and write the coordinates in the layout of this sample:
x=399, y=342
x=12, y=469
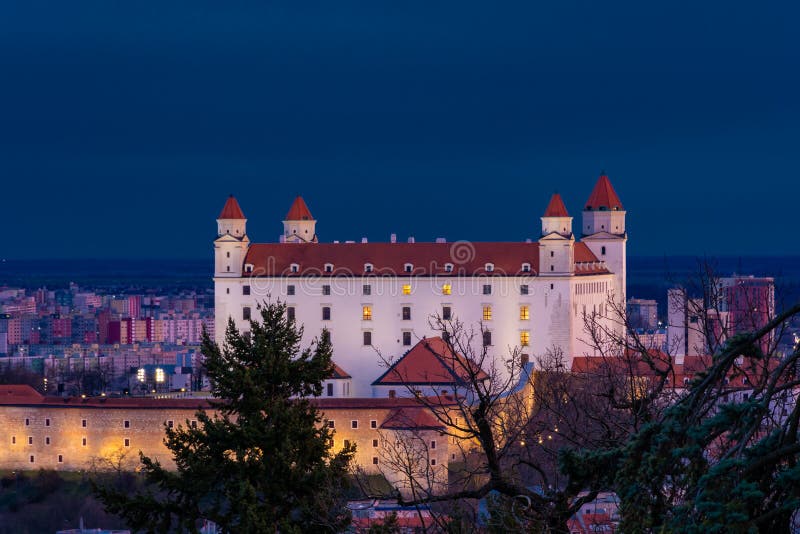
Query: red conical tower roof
x=299, y=211
x=604, y=197
x=231, y=210
x=556, y=208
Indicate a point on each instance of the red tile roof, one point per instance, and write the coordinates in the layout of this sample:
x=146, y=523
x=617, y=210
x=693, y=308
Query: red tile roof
x=430, y=362
x=389, y=259
x=299, y=211
x=19, y=393
x=231, y=210
x=338, y=372
x=604, y=197
x=411, y=418
x=556, y=207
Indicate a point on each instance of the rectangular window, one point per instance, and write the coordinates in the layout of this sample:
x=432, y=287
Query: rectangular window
x=326, y=313
x=487, y=313
x=47, y=440
x=366, y=313
x=373, y=424
x=433, y=461
x=126, y=424
x=446, y=313
x=366, y=289
x=171, y=424
x=331, y=424
x=32, y=459
x=487, y=289
x=433, y=444
x=367, y=339
x=27, y=422
x=245, y=290
x=406, y=313
x=346, y=443
x=290, y=313
x=447, y=289
x=374, y=442
x=60, y=459
x=290, y=290
x=83, y=423
x=487, y=339
x=127, y=442
x=326, y=289
x=523, y=289
x=406, y=289
x=47, y=422
x=374, y=460
x=524, y=338
x=330, y=390
x=524, y=313
x=353, y=424
x=246, y=313
x=83, y=442
x=30, y=440
x=193, y=423
x=13, y=440
x=406, y=338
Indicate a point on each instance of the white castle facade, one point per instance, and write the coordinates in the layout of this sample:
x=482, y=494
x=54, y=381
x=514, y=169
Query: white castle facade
x=379, y=297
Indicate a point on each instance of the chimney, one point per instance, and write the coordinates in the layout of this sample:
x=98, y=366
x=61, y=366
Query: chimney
x=363, y=239
x=393, y=238
x=411, y=239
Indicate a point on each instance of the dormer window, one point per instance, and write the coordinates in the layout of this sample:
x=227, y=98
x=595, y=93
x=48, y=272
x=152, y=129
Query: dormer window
x=294, y=268
x=328, y=267
x=489, y=267
x=526, y=267
x=448, y=267
x=408, y=267
x=368, y=267
x=248, y=267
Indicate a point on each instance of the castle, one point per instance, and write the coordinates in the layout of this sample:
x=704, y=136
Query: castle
x=379, y=297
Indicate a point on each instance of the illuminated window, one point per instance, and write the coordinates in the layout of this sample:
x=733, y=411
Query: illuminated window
x=406, y=289
x=447, y=289
x=366, y=313
x=487, y=313
x=524, y=313
x=140, y=374
x=524, y=338
x=159, y=375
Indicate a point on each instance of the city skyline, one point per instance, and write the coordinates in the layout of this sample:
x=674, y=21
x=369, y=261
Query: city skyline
x=125, y=129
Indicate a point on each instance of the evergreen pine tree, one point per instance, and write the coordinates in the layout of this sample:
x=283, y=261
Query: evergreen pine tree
x=261, y=461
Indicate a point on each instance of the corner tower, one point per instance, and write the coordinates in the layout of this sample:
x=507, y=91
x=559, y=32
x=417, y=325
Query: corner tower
x=230, y=246
x=557, y=244
x=604, y=232
x=299, y=225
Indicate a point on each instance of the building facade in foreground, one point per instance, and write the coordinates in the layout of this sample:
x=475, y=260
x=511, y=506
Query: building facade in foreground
x=377, y=299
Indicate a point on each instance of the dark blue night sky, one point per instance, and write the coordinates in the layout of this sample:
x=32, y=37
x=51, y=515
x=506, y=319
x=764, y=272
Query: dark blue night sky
x=124, y=125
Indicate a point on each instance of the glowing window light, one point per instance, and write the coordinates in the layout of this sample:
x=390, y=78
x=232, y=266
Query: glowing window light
x=406, y=289
x=447, y=289
x=159, y=375
x=140, y=374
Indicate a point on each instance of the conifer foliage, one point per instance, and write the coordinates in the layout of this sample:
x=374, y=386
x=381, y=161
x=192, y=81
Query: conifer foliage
x=261, y=462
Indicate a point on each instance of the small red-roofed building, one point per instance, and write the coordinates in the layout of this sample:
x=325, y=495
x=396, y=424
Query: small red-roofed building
x=429, y=368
